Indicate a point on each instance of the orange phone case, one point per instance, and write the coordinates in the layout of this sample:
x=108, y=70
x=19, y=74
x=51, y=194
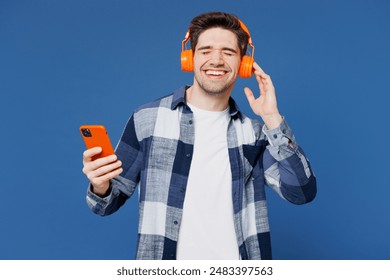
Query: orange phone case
x=97, y=136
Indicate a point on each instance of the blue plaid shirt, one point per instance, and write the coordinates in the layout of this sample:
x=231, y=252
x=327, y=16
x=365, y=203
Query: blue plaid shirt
x=156, y=150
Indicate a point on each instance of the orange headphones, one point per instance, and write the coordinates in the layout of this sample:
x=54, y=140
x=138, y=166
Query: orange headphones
x=246, y=66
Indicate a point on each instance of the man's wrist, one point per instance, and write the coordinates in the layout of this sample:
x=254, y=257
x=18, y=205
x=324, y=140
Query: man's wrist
x=102, y=192
x=272, y=121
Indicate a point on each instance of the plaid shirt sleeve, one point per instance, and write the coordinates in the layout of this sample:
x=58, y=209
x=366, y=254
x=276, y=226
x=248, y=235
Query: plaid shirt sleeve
x=287, y=170
x=122, y=187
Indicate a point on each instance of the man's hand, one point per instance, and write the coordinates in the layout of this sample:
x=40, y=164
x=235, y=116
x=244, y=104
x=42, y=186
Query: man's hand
x=100, y=171
x=265, y=105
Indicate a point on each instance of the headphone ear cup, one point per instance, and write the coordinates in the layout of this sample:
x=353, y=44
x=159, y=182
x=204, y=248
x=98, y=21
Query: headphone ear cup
x=187, y=61
x=246, y=67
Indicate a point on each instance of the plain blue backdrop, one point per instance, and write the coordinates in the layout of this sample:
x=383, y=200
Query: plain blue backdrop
x=67, y=63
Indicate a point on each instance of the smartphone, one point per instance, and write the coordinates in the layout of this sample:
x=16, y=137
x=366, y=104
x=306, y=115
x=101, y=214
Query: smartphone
x=97, y=136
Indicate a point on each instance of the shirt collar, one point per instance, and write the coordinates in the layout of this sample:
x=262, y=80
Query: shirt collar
x=179, y=99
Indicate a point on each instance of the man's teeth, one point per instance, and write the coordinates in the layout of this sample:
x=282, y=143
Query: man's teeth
x=213, y=72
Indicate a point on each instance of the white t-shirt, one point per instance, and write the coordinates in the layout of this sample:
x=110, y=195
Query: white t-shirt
x=207, y=228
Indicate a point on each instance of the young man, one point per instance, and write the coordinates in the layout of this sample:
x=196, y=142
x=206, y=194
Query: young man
x=201, y=164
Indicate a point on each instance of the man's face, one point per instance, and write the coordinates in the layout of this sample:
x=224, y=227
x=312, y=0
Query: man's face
x=216, y=61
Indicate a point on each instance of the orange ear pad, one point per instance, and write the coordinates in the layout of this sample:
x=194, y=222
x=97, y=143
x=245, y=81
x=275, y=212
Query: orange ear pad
x=187, y=61
x=246, y=67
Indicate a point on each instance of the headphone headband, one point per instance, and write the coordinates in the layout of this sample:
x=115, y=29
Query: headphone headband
x=243, y=27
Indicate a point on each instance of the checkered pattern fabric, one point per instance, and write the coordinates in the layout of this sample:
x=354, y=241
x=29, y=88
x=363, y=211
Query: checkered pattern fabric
x=156, y=151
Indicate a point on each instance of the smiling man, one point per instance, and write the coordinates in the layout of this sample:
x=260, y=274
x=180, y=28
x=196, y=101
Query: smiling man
x=201, y=164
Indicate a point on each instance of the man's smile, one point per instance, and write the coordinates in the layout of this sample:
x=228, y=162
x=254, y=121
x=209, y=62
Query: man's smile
x=215, y=73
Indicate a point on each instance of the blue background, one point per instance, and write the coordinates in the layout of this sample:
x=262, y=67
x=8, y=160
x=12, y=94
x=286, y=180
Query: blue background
x=67, y=63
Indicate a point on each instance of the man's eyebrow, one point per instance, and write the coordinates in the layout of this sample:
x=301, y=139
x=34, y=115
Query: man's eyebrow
x=223, y=49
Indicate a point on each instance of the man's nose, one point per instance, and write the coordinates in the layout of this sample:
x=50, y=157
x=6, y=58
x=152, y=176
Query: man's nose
x=216, y=57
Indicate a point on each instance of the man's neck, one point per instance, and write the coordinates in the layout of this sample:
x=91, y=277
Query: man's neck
x=205, y=101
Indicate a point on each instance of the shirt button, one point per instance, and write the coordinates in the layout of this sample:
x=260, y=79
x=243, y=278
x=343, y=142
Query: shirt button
x=190, y=121
x=284, y=130
x=275, y=136
x=188, y=155
x=175, y=222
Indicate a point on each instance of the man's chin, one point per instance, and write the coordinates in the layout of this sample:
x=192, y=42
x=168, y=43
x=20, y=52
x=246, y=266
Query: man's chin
x=217, y=90
x=215, y=86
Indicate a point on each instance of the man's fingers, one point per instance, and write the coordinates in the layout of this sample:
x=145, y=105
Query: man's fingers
x=249, y=95
x=259, y=72
x=101, y=170
x=108, y=168
x=88, y=154
x=257, y=67
x=262, y=77
x=104, y=170
x=105, y=177
x=96, y=164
